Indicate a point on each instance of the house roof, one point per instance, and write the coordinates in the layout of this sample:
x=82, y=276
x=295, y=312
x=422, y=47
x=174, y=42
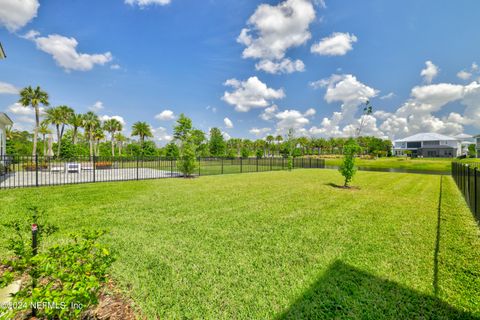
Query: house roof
x=5, y=119
x=430, y=136
x=2, y=52
x=463, y=136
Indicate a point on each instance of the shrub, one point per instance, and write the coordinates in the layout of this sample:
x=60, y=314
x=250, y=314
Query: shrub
x=2, y=169
x=187, y=164
x=67, y=277
x=31, y=166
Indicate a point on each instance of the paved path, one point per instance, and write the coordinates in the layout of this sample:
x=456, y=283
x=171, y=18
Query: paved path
x=45, y=178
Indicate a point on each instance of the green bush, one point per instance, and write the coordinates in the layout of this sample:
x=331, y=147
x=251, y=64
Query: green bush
x=187, y=163
x=62, y=280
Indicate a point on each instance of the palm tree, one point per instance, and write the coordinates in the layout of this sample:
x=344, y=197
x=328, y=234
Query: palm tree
x=120, y=138
x=142, y=130
x=112, y=126
x=269, y=139
x=44, y=130
x=90, y=123
x=34, y=97
x=60, y=117
x=76, y=121
x=98, y=136
x=279, y=140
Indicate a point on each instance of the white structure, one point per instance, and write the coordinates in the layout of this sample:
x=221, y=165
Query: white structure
x=429, y=145
x=5, y=121
x=466, y=140
x=477, y=139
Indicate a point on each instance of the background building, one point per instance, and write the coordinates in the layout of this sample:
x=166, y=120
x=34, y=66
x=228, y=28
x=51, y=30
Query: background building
x=4, y=122
x=428, y=145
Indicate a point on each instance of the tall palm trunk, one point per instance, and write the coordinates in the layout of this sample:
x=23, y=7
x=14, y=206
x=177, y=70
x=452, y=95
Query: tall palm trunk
x=44, y=146
x=74, y=135
x=59, y=140
x=90, y=140
x=35, y=132
x=113, y=145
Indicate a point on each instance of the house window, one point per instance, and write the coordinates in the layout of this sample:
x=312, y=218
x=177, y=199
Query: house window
x=414, y=145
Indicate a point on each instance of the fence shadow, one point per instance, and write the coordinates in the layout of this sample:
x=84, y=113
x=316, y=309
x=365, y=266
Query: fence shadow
x=345, y=292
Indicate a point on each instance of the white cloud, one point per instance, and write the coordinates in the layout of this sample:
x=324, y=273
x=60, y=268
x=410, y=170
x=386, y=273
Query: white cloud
x=64, y=52
x=144, y=3
x=7, y=88
x=291, y=119
x=249, y=94
x=260, y=131
x=228, y=123
x=283, y=66
x=310, y=112
x=15, y=14
x=388, y=96
x=464, y=75
x=96, y=107
x=430, y=72
x=165, y=115
x=119, y=118
x=269, y=113
x=115, y=67
x=23, y=117
x=272, y=30
x=161, y=134
x=337, y=44
x=213, y=109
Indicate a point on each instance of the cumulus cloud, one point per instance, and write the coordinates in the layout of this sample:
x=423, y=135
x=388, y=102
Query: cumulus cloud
x=259, y=132
x=64, y=52
x=96, y=107
x=15, y=14
x=272, y=30
x=388, y=96
x=7, y=88
x=23, y=117
x=291, y=119
x=283, y=66
x=466, y=75
x=337, y=44
x=430, y=72
x=144, y=3
x=165, y=115
x=269, y=113
x=161, y=134
x=118, y=118
x=228, y=123
x=249, y=94
x=115, y=67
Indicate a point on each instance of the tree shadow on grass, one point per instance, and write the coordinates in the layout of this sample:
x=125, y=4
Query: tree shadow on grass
x=334, y=185
x=345, y=292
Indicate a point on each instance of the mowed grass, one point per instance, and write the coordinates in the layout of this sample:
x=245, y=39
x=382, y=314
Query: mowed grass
x=279, y=244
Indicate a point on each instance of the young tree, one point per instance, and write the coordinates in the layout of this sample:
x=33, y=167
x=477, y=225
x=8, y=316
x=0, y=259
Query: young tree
x=112, y=126
x=34, y=97
x=44, y=130
x=367, y=111
x=347, y=168
x=290, y=147
x=183, y=134
x=217, y=143
x=120, y=139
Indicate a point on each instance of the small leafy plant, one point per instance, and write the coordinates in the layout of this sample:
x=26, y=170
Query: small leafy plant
x=60, y=281
x=347, y=168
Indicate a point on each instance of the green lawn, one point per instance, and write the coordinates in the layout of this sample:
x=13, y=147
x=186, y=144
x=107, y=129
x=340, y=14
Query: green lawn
x=279, y=244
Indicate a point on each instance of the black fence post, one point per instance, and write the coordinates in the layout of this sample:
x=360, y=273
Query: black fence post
x=171, y=168
x=36, y=169
x=94, y=168
x=271, y=159
x=257, y=164
x=137, y=167
x=222, y=165
x=199, y=166
x=241, y=165
x=475, y=191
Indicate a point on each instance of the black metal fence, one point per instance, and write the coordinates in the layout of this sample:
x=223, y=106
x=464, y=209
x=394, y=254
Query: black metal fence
x=31, y=171
x=467, y=178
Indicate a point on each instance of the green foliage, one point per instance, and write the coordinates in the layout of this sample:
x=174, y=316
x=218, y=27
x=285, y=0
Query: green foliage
x=347, y=168
x=290, y=163
x=187, y=162
x=472, y=151
x=217, y=144
x=67, y=276
x=172, y=151
x=259, y=153
x=245, y=153
x=183, y=127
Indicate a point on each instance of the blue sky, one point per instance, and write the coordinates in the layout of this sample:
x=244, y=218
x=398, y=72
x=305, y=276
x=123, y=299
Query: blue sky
x=298, y=63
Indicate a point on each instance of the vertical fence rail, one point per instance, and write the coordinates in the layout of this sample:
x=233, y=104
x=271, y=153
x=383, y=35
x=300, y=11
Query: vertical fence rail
x=466, y=177
x=37, y=171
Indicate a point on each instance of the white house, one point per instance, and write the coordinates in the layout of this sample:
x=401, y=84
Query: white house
x=430, y=145
x=4, y=122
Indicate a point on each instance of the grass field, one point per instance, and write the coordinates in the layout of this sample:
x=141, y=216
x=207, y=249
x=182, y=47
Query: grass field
x=417, y=164
x=279, y=244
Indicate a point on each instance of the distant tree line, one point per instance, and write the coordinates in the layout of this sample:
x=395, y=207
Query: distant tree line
x=86, y=135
